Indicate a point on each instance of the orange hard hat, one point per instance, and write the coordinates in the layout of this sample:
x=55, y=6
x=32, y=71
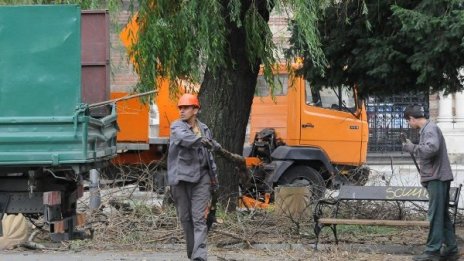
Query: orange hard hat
x=188, y=100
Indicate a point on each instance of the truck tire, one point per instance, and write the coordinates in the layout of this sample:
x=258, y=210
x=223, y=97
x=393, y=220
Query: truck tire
x=301, y=175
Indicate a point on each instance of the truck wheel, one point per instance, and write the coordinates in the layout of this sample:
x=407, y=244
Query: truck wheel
x=301, y=175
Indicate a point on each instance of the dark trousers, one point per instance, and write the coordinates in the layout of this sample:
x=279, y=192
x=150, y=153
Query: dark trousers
x=441, y=228
x=192, y=201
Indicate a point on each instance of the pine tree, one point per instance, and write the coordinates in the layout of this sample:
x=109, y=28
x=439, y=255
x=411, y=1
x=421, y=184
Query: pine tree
x=388, y=47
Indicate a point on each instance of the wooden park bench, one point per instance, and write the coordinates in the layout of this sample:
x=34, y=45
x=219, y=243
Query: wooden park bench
x=375, y=193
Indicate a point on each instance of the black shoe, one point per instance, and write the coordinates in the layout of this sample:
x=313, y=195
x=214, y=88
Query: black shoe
x=453, y=256
x=427, y=256
x=198, y=259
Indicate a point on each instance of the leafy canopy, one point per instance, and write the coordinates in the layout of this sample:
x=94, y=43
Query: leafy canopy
x=437, y=29
x=181, y=39
x=391, y=46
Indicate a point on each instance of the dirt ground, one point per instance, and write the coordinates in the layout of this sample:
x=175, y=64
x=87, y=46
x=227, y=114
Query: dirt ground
x=355, y=244
x=128, y=230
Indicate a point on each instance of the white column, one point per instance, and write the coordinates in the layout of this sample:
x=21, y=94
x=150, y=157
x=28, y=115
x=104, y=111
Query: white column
x=452, y=128
x=459, y=107
x=445, y=111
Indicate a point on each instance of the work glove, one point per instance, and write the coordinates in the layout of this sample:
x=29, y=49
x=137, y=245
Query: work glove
x=408, y=146
x=211, y=144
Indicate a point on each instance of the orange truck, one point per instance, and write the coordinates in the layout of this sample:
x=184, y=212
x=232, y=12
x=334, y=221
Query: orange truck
x=298, y=134
x=143, y=138
x=306, y=136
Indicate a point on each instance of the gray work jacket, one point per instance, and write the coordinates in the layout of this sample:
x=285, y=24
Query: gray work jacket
x=432, y=154
x=186, y=154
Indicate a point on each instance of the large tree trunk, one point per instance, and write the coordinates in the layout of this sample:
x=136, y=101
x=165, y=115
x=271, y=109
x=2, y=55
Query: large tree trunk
x=226, y=97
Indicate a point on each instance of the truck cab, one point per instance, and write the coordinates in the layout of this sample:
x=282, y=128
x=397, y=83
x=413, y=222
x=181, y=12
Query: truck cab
x=320, y=135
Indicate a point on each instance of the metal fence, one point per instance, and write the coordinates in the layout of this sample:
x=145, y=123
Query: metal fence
x=386, y=122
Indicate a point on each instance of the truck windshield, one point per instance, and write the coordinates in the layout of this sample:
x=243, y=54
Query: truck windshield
x=281, y=86
x=336, y=98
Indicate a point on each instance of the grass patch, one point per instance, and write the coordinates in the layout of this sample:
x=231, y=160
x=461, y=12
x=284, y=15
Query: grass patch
x=359, y=230
x=362, y=233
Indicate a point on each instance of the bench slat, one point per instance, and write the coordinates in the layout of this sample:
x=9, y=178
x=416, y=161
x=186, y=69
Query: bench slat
x=406, y=223
x=388, y=193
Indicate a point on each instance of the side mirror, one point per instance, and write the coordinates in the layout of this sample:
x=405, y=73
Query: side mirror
x=357, y=113
x=360, y=106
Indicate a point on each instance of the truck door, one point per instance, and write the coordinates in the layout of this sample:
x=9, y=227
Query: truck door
x=330, y=121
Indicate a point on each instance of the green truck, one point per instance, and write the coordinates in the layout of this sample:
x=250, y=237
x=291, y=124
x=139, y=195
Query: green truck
x=49, y=137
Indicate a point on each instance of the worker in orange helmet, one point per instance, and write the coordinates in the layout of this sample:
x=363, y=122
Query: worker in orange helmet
x=192, y=174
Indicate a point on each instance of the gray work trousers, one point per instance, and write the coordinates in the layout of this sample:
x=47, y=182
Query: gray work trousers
x=191, y=200
x=441, y=227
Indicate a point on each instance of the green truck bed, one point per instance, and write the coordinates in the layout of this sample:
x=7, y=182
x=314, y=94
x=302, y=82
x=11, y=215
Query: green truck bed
x=42, y=119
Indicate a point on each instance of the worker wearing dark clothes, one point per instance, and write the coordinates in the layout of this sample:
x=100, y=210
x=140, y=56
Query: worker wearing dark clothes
x=436, y=176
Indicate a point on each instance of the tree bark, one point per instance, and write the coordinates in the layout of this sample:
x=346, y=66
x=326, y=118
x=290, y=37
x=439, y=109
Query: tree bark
x=226, y=97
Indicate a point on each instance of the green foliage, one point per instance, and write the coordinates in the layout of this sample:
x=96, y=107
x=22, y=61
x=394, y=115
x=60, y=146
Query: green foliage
x=306, y=18
x=174, y=41
x=183, y=39
x=436, y=28
x=388, y=47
